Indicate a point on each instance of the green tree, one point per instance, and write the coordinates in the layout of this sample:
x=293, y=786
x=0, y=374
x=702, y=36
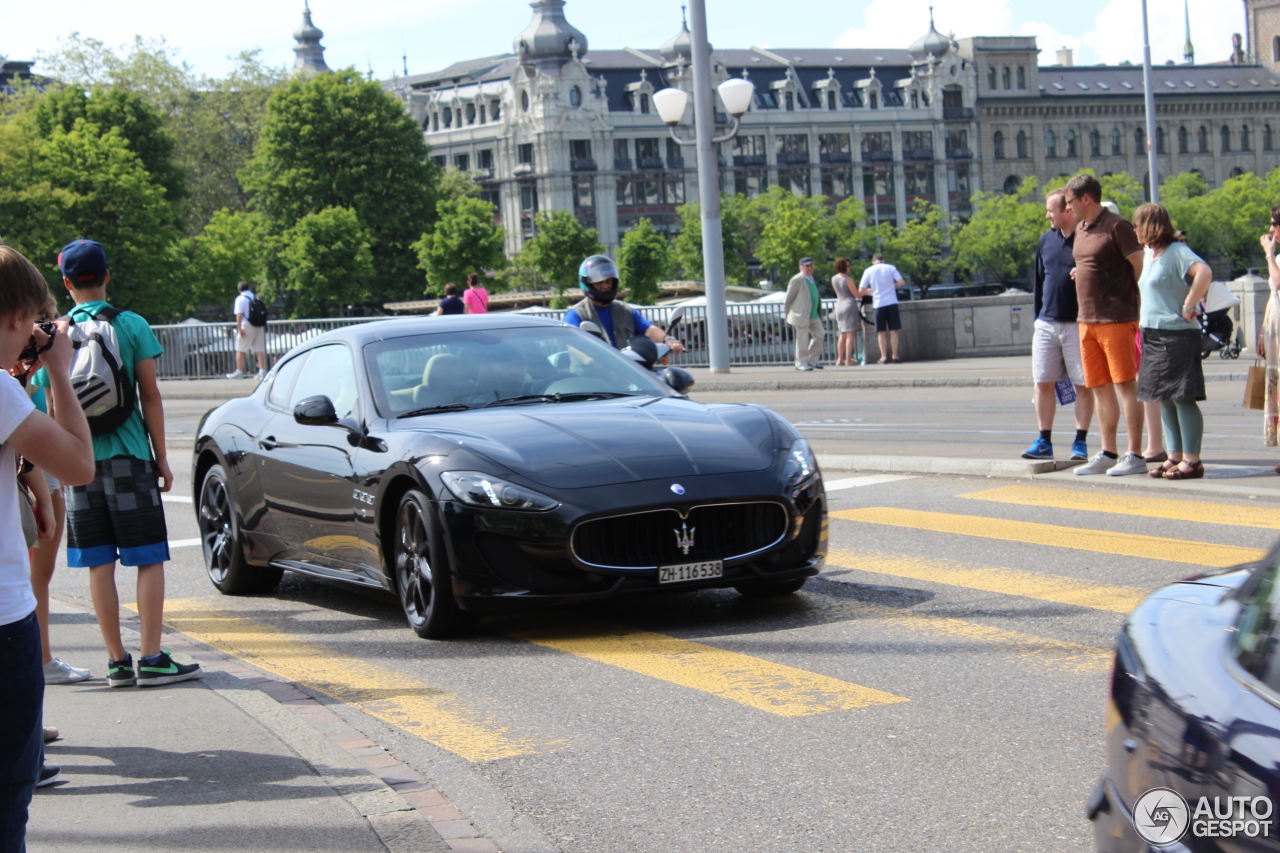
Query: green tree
x=465, y=240
x=687, y=250
x=999, y=240
x=794, y=228
x=644, y=260
x=920, y=248
x=559, y=245
x=1125, y=190
x=328, y=262
x=229, y=250
x=338, y=140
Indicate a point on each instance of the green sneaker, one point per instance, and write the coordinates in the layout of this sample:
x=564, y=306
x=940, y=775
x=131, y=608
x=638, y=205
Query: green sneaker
x=162, y=669
x=120, y=672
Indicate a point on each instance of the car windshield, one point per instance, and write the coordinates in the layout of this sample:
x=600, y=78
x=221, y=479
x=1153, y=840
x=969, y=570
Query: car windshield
x=451, y=371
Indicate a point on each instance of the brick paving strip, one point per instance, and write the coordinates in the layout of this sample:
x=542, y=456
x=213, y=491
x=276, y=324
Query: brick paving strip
x=426, y=818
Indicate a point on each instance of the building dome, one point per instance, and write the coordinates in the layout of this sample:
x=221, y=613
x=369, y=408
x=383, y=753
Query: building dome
x=309, y=52
x=932, y=42
x=680, y=44
x=549, y=35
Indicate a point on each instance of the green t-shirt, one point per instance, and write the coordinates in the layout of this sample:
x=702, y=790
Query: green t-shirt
x=1164, y=287
x=815, y=302
x=137, y=343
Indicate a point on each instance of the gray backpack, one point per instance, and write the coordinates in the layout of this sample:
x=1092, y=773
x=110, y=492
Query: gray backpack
x=98, y=374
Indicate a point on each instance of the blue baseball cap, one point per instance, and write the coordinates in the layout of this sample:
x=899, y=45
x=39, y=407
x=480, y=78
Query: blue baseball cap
x=82, y=260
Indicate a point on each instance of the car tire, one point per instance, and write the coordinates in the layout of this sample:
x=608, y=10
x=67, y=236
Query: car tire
x=224, y=559
x=422, y=578
x=769, y=589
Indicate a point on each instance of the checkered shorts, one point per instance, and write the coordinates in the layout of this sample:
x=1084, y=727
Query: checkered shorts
x=117, y=517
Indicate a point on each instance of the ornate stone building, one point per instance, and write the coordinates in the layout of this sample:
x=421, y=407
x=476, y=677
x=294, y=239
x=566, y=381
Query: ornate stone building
x=556, y=125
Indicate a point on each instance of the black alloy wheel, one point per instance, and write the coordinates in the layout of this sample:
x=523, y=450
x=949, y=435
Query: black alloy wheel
x=220, y=538
x=422, y=576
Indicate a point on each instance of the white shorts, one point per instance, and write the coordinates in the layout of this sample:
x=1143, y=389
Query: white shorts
x=254, y=340
x=1055, y=352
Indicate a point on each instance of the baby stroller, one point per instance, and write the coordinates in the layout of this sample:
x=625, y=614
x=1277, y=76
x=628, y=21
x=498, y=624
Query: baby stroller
x=1215, y=324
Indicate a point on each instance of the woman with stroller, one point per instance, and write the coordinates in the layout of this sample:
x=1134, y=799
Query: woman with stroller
x=1269, y=336
x=1171, y=373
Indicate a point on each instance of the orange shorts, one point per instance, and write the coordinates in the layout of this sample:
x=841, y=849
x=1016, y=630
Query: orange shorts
x=1108, y=353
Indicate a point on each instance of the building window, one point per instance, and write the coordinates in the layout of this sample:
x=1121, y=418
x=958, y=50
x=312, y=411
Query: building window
x=1266, y=138
x=1182, y=140
x=991, y=77
x=524, y=100
x=791, y=101
x=626, y=193
x=673, y=189
x=1071, y=144
x=877, y=146
x=1246, y=142
x=958, y=184
x=1117, y=147
x=794, y=181
x=583, y=193
x=1021, y=141
x=1022, y=77
x=435, y=121
x=462, y=162
x=873, y=101
x=495, y=110
x=1275, y=49
x=1095, y=144
x=484, y=159
x=1225, y=133
x=957, y=139
x=649, y=153
x=877, y=191
x=831, y=100
x=749, y=146
x=1011, y=185
x=997, y=145
x=471, y=113
x=834, y=143
x=1160, y=149
x=750, y=182
x=837, y=182
x=580, y=149
x=918, y=182
x=440, y=161
x=1050, y=144
x=644, y=103
x=528, y=207
x=1005, y=81
x=919, y=143
x=524, y=154
x=792, y=148
x=575, y=97
x=1139, y=140
x=622, y=154
x=448, y=118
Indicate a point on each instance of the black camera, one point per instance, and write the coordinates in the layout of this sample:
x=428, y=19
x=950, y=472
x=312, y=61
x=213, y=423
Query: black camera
x=33, y=350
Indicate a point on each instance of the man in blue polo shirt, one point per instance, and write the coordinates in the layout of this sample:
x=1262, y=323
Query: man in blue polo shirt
x=1055, y=343
x=598, y=278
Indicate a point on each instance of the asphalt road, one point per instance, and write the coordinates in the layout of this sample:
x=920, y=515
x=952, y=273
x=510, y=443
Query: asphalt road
x=940, y=686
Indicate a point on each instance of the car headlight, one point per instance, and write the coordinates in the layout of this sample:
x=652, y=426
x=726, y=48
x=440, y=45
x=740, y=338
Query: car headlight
x=482, y=490
x=801, y=467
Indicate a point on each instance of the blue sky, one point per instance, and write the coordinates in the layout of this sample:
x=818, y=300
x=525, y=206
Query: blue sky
x=435, y=33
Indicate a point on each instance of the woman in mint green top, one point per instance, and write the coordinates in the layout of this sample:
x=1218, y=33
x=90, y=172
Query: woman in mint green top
x=1171, y=373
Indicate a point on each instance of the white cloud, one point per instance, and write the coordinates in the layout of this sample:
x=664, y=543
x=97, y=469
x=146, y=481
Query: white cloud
x=897, y=23
x=1049, y=40
x=1117, y=32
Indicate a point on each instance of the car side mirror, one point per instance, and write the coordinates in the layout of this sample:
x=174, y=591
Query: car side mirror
x=315, y=411
x=679, y=379
x=592, y=328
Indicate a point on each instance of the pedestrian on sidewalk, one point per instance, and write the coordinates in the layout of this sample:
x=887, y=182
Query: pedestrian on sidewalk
x=1055, y=341
x=881, y=281
x=803, y=309
x=1171, y=373
x=848, y=318
x=1108, y=260
x=62, y=446
x=1269, y=336
x=475, y=297
x=119, y=516
x=450, y=304
x=251, y=331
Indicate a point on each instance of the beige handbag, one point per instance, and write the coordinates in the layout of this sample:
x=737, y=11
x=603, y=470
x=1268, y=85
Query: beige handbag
x=1255, y=386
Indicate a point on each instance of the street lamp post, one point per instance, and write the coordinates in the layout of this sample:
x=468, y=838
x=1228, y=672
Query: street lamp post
x=1149, y=101
x=736, y=94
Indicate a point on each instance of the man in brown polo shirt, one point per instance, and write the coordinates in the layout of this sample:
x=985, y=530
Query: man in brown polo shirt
x=1108, y=260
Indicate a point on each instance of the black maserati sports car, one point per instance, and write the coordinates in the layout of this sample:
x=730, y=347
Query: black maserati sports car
x=476, y=464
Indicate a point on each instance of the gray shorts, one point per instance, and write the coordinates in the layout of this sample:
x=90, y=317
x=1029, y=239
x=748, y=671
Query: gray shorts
x=1055, y=352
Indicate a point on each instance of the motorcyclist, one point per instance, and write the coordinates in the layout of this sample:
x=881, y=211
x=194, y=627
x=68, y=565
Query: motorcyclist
x=598, y=278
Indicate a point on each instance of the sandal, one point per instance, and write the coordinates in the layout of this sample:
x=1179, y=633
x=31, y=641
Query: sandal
x=1160, y=470
x=1278, y=469
x=1196, y=472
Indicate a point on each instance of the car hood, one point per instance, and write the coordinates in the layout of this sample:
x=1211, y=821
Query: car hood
x=582, y=445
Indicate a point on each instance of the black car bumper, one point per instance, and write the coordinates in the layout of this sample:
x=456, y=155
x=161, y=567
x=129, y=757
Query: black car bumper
x=1113, y=830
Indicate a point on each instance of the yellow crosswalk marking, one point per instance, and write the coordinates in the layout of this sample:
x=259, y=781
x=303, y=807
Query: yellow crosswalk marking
x=1077, y=538
x=1063, y=590
x=756, y=683
x=393, y=697
x=1265, y=518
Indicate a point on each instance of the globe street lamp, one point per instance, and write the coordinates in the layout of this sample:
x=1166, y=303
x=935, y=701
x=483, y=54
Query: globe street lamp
x=736, y=94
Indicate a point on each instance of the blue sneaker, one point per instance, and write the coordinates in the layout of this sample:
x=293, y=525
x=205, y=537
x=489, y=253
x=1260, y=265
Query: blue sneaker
x=1079, y=450
x=1039, y=449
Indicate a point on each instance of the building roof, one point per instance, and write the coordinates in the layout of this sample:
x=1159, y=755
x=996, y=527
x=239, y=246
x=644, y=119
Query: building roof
x=1112, y=80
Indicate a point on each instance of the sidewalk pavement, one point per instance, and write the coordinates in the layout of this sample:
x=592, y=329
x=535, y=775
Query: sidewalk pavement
x=234, y=761
x=1233, y=472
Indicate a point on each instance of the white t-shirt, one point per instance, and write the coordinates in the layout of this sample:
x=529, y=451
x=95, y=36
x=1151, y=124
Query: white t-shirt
x=242, y=304
x=16, y=598
x=883, y=280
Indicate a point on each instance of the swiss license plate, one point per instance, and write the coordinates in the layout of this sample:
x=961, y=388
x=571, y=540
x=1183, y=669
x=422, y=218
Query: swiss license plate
x=691, y=571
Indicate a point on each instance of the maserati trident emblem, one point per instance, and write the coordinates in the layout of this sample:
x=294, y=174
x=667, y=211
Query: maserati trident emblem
x=684, y=537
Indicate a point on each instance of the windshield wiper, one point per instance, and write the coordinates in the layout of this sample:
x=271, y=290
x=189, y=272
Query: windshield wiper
x=523, y=398
x=560, y=398
x=434, y=410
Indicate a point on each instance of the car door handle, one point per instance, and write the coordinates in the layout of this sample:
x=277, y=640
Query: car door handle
x=268, y=443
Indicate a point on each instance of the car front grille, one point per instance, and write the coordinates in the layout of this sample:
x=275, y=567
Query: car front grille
x=648, y=539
